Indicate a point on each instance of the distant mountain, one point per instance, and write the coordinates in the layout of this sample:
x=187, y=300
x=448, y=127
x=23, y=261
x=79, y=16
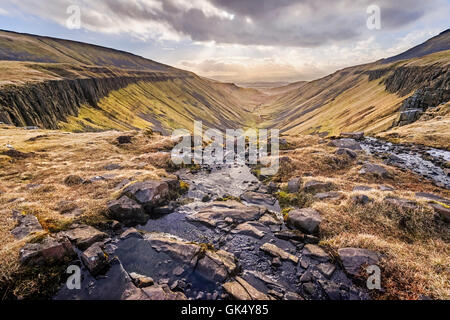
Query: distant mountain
x=438, y=43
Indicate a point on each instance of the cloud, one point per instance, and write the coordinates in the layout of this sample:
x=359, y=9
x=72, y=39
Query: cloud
x=305, y=23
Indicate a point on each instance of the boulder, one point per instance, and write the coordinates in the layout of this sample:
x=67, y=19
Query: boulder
x=27, y=224
x=49, y=250
x=248, y=229
x=346, y=143
x=94, y=258
x=127, y=211
x=354, y=258
x=73, y=180
x=294, y=185
x=306, y=219
x=149, y=194
x=130, y=233
x=84, y=236
x=140, y=280
x=316, y=252
x=239, y=289
x=315, y=186
x=218, y=211
x=361, y=199
x=275, y=251
x=374, y=170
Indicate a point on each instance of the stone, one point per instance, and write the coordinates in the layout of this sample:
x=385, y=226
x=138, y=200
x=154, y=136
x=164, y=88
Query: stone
x=374, y=170
x=50, y=250
x=294, y=185
x=433, y=197
x=217, y=211
x=346, y=143
x=239, y=289
x=73, y=180
x=332, y=289
x=112, y=166
x=162, y=292
x=149, y=194
x=315, y=186
x=94, y=258
x=328, y=195
x=385, y=188
x=67, y=207
x=269, y=220
x=275, y=251
x=362, y=188
x=361, y=199
x=131, y=233
x=316, y=252
x=140, y=280
x=353, y=135
x=327, y=269
x=306, y=277
x=306, y=219
x=290, y=235
x=354, y=258
x=84, y=236
x=127, y=211
x=248, y=229
x=124, y=139
x=292, y=296
x=347, y=152
x=276, y=262
x=444, y=212
x=27, y=224
x=217, y=266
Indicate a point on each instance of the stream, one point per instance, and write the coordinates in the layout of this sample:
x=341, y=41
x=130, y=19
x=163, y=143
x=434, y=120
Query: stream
x=428, y=162
x=279, y=278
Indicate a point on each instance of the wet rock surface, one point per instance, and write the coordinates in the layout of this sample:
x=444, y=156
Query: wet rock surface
x=428, y=162
x=227, y=249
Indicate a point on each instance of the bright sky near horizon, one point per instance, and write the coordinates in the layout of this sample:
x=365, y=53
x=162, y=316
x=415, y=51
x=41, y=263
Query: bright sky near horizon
x=236, y=40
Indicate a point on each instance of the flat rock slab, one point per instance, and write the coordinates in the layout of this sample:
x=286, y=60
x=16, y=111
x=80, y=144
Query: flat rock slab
x=316, y=252
x=233, y=211
x=239, y=289
x=27, y=224
x=50, y=250
x=315, y=186
x=84, y=236
x=328, y=195
x=248, y=229
x=374, y=170
x=275, y=251
x=354, y=258
x=306, y=219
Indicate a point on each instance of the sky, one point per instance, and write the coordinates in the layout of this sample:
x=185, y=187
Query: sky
x=239, y=40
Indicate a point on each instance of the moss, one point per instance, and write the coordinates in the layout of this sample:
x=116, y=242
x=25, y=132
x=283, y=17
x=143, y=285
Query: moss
x=285, y=213
x=184, y=187
x=300, y=199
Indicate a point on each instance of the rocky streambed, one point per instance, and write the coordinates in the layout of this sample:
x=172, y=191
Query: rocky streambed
x=431, y=163
x=225, y=239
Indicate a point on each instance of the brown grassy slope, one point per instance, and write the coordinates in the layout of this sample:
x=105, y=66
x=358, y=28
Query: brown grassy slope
x=415, y=243
x=346, y=100
x=35, y=185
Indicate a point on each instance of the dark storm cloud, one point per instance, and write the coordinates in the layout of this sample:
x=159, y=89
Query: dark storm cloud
x=299, y=23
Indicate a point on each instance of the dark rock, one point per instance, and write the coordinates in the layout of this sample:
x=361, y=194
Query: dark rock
x=94, y=258
x=290, y=235
x=127, y=211
x=328, y=195
x=49, y=250
x=327, y=269
x=316, y=252
x=354, y=258
x=386, y=188
x=112, y=166
x=346, y=144
x=84, y=236
x=294, y=185
x=27, y=224
x=315, y=186
x=361, y=199
x=306, y=277
x=374, y=170
x=131, y=233
x=362, y=188
x=149, y=194
x=306, y=219
x=73, y=180
x=444, y=212
x=124, y=139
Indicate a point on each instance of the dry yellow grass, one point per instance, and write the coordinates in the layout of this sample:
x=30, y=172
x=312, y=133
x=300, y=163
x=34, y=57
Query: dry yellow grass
x=35, y=185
